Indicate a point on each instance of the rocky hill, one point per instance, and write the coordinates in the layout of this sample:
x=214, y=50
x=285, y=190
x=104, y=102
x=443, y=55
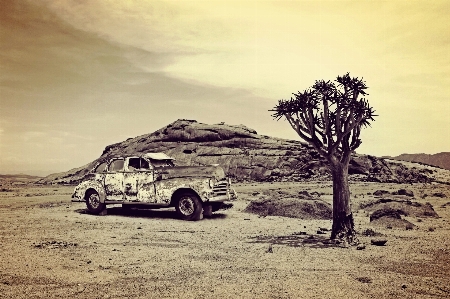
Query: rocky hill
x=440, y=160
x=246, y=156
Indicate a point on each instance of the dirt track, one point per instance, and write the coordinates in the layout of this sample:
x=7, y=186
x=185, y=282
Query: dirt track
x=50, y=248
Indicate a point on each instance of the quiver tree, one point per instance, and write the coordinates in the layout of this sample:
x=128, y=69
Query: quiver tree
x=330, y=116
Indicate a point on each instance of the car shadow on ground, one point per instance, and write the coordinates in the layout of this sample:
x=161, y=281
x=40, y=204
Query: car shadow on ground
x=298, y=240
x=146, y=213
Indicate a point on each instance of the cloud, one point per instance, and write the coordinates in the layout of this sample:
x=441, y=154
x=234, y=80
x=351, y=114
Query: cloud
x=103, y=71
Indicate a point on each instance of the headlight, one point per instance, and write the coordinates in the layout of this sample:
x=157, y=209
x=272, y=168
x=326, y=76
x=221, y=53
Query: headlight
x=211, y=183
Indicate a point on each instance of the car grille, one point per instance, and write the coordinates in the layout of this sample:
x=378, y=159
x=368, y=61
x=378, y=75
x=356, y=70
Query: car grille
x=220, y=188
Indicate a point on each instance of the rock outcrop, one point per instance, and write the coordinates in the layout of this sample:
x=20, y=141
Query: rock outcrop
x=244, y=155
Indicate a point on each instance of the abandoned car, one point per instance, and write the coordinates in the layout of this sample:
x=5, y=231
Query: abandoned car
x=151, y=180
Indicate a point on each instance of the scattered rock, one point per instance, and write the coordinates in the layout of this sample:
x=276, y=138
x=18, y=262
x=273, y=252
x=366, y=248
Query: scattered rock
x=380, y=192
x=378, y=242
x=405, y=192
x=364, y=279
x=54, y=244
x=299, y=233
x=361, y=247
x=439, y=194
x=370, y=233
x=304, y=194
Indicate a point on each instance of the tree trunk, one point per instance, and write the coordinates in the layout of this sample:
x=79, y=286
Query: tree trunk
x=343, y=226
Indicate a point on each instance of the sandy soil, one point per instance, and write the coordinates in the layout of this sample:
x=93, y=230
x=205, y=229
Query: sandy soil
x=51, y=248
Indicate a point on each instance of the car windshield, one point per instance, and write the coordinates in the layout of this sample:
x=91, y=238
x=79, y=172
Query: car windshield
x=100, y=168
x=116, y=165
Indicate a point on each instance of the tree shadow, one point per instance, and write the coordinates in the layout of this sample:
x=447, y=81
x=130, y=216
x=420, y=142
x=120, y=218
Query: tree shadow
x=299, y=240
x=146, y=213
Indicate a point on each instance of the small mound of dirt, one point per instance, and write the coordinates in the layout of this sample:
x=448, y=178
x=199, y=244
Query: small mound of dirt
x=387, y=212
x=390, y=222
x=294, y=208
x=404, y=207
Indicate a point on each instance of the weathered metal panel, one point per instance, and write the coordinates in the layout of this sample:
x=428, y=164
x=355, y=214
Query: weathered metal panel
x=146, y=191
x=130, y=185
x=190, y=171
x=166, y=188
x=94, y=183
x=114, y=185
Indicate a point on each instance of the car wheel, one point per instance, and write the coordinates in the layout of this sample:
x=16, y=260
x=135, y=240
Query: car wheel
x=93, y=203
x=189, y=206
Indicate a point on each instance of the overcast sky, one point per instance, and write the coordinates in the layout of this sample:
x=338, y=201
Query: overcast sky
x=77, y=75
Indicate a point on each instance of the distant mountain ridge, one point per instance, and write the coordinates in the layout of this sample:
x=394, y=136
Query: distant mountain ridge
x=245, y=156
x=441, y=160
x=18, y=178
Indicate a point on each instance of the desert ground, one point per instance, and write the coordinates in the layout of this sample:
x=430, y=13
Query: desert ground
x=51, y=247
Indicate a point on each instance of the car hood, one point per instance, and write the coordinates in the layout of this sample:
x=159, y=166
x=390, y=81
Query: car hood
x=216, y=172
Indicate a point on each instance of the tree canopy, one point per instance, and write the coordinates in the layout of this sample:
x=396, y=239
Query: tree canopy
x=329, y=115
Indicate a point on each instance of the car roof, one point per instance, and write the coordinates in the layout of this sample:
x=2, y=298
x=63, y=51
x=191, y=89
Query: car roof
x=154, y=156
x=157, y=156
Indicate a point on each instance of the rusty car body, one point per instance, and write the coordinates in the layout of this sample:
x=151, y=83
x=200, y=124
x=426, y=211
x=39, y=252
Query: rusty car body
x=151, y=180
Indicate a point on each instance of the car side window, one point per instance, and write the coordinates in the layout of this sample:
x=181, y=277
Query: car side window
x=144, y=164
x=100, y=168
x=133, y=164
x=116, y=165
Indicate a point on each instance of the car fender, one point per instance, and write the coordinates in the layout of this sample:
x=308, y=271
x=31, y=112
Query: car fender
x=165, y=189
x=80, y=190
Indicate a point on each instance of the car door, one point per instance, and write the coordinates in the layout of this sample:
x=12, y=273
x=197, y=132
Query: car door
x=131, y=176
x=114, y=180
x=146, y=183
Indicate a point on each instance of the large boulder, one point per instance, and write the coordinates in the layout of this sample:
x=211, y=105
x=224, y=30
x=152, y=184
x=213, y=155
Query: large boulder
x=244, y=155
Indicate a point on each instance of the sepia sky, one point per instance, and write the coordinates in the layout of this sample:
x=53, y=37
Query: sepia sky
x=77, y=75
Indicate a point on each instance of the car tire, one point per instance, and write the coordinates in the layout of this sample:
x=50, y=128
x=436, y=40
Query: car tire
x=93, y=202
x=189, y=206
